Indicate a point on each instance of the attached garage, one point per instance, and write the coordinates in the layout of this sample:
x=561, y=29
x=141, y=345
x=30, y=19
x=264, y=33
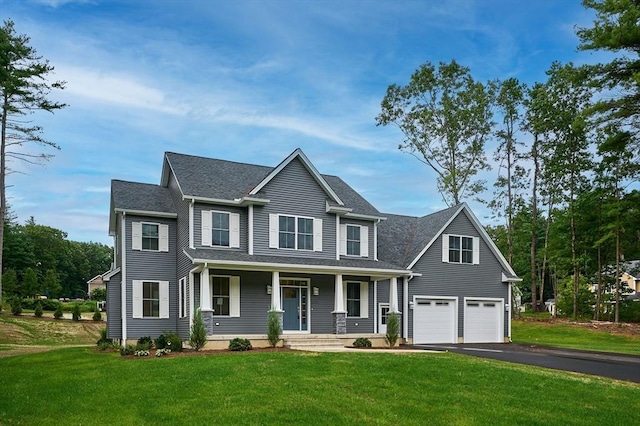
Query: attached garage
x=484, y=320
x=434, y=320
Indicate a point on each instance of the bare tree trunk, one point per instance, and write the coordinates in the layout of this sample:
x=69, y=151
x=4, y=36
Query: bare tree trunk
x=617, y=288
x=3, y=196
x=534, y=223
x=599, y=291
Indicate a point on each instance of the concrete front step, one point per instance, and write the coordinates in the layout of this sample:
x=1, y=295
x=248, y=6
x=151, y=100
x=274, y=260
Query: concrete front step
x=302, y=343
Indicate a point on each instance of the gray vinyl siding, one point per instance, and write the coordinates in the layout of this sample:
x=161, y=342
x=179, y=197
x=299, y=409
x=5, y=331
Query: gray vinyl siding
x=197, y=225
x=461, y=280
x=183, y=264
x=294, y=192
x=153, y=266
x=114, y=307
x=371, y=231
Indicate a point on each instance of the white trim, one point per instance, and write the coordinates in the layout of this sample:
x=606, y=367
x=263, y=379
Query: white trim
x=305, y=161
x=107, y=275
x=234, y=230
x=405, y=299
x=364, y=241
x=250, y=229
x=275, y=291
x=234, y=295
x=343, y=239
x=500, y=312
x=191, y=225
x=364, y=216
x=146, y=213
x=274, y=223
x=375, y=240
x=163, y=287
x=393, y=295
x=242, y=202
x=338, y=300
x=364, y=298
x=375, y=303
x=445, y=248
x=182, y=297
x=454, y=299
x=338, y=234
x=205, y=228
x=192, y=301
x=123, y=283
x=512, y=280
x=476, y=250
x=274, y=230
x=205, y=290
x=508, y=311
x=163, y=238
x=136, y=236
x=378, y=317
x=317, y=234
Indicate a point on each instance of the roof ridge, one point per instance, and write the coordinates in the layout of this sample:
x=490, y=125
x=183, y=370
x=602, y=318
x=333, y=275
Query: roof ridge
x=218, y=159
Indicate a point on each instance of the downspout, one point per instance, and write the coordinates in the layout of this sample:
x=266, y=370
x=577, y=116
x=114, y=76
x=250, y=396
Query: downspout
x=375, y=307
x=123, y=284
x=405, y=317
x=375, y=239
x=191, y=233
x=250, y=229
x=509, y=313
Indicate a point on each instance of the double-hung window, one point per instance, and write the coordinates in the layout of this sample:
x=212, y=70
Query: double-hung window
x=353, y=299
x=460, y=249
x=353, y=240
x=150, y=236
x=295, y=232
x=221, y=296
x=220, y=229
x=151, y=299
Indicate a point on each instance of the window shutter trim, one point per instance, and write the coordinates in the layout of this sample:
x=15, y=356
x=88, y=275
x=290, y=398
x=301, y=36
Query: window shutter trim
x=476, y=250
x=317, y=234
x=364, y=300
x=234, y=297
x=234, y=230
x=206, y=227
x=136, y=235
x=445, y=248
x=273, y=230
x=343, y=239
x=364, y=241
x=164, y=237
x=136, y=287
x=164, y=299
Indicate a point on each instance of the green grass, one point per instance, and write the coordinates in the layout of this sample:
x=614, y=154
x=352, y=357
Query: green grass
x=569, y=336
x=79, y=386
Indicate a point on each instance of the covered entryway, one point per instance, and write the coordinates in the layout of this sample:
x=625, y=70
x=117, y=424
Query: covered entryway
x=295, y=304
x=484, y=320
x=434, y=320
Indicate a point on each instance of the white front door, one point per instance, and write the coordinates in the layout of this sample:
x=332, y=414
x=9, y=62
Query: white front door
x=383, y=311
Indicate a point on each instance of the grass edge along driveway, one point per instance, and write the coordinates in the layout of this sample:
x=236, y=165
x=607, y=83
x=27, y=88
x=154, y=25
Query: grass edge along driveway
x=82, y=386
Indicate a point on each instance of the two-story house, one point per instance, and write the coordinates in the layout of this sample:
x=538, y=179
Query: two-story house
x=237, y=240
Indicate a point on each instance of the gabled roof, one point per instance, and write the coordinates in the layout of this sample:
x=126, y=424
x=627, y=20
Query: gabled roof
x=142, y=198
x=220, y=180
x=420, y=234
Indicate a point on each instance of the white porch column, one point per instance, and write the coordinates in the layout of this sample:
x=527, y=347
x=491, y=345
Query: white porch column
x=393, y=295
x=275, y=291
x=338, y=306
x=205, y=291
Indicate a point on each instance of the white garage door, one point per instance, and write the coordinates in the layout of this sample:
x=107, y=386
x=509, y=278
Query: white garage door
x=434, y=321
x=483, y=321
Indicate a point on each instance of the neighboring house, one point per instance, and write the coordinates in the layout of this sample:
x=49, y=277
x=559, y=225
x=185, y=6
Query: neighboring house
x=237, y=240
x=629, y=280
x=94, y=283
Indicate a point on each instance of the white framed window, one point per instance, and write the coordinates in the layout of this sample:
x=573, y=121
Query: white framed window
x=220, y=229
x=149, y=236
x=295, y=232
x=182, y=297
x=356, y=296
x=354, y=240
x=150, y=299
x=225, y=295
x=460, y=249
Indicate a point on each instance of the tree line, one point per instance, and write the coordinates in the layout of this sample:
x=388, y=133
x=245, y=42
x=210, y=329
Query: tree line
x=40, y=260
x=568, y=154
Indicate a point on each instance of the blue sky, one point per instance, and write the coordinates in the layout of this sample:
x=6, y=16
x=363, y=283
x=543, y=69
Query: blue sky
x=251, y=81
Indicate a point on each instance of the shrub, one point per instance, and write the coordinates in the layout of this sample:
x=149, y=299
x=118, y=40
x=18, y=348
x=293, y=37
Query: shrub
x=144, y=343
x=127, y=350
x=273, y=328
x=58, y=313
x=393, y=329
x=38, y=311
x=169, y=341
x=161, y=352
x=16, y=306
x=47, y=304
x=141, y=352
x=362, y=342
x=106, y=344
x=97, y=316
x=76, y=313
x=98, y=294
x=239, y=344
x=198, y=335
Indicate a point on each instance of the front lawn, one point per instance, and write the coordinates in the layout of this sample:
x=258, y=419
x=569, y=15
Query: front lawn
x=604, y=337
x=80, y=386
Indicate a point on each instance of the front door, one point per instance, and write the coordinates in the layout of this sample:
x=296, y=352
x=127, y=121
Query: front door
x=294, y=304
x=383, y=311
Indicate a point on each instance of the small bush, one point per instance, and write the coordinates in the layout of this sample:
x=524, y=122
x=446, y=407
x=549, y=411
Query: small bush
x=169, y=341
x=161, y=352
x=362, y=342
x=273, y=328
x=97, y=316
x=16, y=306
x=75, y=314
x=239, y=344
x=198, y=335
x=141, y=352
x=144, y=343
x=38, y=311
x=58, y=313
x=393, y=329
x=127, y=350
x=47, y=304
x=108, y=346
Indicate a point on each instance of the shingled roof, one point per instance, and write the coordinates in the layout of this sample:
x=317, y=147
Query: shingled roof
x=134, y=196
x=402, y=238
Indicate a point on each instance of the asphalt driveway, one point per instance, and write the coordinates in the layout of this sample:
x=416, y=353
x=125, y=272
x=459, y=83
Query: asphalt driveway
x=615, y=366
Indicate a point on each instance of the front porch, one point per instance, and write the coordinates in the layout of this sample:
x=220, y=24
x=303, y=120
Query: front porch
x=297, y=341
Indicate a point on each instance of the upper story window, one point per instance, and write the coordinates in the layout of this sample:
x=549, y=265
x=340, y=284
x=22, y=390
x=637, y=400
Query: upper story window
x=220, y=229
x=150, y=236
x=354, y=240
x=295, y=232
x=460, y=249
